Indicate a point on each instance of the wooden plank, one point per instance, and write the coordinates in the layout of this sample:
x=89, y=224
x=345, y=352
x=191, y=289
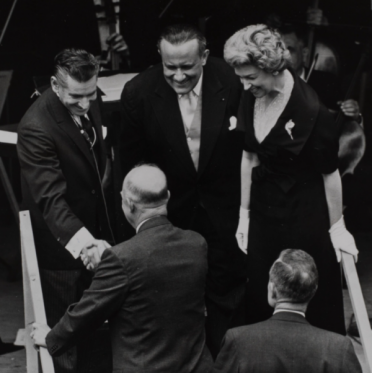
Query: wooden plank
x=33, y=297
x=359, y=306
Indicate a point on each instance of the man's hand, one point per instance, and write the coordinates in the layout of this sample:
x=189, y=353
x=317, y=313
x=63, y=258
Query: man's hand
x=350, y=108
x=92, y=252
x=117, y=43
x=315, y=16
x=39, y=333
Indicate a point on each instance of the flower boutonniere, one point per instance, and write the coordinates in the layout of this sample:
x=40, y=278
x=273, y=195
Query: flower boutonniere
x=233, y=121
x=288, y=127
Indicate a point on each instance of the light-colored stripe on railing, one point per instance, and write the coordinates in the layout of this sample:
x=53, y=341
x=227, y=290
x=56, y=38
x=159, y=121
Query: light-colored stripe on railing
x=359, y=306
x=33, y=297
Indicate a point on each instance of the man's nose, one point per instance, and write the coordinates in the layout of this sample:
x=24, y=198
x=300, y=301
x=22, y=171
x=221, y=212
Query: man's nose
x=84, y=103
x=179, y=76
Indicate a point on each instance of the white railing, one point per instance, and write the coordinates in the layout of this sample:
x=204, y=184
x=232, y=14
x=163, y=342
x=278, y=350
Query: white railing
x=33, y=298
x=359, y=307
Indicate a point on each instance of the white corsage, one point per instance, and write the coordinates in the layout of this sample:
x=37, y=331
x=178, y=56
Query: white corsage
x=233, y=121
x=288, y=127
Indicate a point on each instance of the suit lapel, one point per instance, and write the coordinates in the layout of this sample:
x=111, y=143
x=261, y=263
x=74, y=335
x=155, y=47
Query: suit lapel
x=95, y=116
x=65, y=122
x=214, y=100
x=167, y=111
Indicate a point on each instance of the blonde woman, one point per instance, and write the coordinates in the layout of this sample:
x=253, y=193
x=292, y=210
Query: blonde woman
x=291, y=194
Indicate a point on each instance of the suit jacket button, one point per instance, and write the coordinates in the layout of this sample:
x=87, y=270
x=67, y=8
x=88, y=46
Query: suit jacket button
x=93, y=191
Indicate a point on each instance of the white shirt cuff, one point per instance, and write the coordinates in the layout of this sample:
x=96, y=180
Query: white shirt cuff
x=78, y=241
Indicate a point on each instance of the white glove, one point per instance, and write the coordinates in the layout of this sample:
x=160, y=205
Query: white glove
x=242, y=232
x=343, y=240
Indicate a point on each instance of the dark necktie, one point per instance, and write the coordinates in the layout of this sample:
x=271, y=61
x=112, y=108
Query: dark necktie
x=87, y=126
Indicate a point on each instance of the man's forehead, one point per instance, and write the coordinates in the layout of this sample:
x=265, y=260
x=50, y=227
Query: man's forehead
x=74, y=86
x=290, y=39
x=184, y=51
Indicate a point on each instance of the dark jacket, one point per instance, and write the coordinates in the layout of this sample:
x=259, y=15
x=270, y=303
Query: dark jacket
x=60, y=184
x=285, y=343
x=151, y=289
x=153, y=131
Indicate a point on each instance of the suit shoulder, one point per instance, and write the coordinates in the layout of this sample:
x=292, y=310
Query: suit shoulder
x=223, y=70
x=37, y=112
x=326, y=335
x=192, y=236
x=144, y=82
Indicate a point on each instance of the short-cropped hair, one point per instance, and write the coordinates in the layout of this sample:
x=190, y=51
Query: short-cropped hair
x=257, y=45
x=299, y=31
x=77, y=63
x=295, y=276
x=182, y=33
x=148, y=197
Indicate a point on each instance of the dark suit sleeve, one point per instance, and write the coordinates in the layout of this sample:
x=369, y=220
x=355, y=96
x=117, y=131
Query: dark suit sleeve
x=227, y=359
x=324, y=143
x=41, y=170
x=351, y=363
x=132, y=138
x=104, y=297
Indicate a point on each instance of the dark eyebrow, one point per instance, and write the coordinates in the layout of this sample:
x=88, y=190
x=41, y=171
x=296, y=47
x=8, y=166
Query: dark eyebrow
x=79, y=96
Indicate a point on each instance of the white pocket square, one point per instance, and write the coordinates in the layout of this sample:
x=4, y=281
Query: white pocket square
x=233, y=121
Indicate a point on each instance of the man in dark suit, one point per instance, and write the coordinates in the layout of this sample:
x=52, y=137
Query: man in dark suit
x=150, y=288
x=287, y=342
x=181, y=115
x=63, y=163
x=325, y=84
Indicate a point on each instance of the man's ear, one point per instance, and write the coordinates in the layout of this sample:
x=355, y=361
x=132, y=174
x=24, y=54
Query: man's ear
x=205, y=56
x=272, y=290
x=131, y=205
x=55, y=85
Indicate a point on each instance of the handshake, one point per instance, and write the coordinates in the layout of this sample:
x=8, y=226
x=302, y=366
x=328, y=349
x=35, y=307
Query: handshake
x=92, y=252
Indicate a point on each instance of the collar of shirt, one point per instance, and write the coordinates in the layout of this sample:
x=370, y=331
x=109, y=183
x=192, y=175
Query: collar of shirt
x=197, y=88
x=287, y=310
x=77, y=120
x=302, y=75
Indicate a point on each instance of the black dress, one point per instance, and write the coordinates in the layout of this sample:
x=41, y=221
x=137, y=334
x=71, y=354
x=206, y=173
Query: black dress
x=288, y=207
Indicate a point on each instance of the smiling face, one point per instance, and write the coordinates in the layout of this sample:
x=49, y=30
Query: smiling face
x=76, y=96
x=257, y=81
x=182, y=64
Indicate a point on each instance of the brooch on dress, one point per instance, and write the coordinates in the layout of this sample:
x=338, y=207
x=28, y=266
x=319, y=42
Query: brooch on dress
x=288, y=127
x=233, y=121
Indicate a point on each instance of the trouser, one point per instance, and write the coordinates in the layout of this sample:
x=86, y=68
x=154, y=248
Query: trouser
x=60, y=289
x=225, y=292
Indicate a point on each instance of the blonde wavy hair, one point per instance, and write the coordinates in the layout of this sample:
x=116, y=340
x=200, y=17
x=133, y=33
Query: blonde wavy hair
x=257, y=45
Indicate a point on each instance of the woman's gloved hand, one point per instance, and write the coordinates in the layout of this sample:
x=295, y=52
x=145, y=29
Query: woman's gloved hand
x=242, y=232
x=342, y=240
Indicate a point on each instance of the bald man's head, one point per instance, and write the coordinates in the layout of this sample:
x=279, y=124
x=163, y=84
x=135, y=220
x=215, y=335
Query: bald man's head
x=146, y=185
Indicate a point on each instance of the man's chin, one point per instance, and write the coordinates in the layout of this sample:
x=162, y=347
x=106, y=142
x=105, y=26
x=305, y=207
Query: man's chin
x=181, y=90
x=79, y=112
